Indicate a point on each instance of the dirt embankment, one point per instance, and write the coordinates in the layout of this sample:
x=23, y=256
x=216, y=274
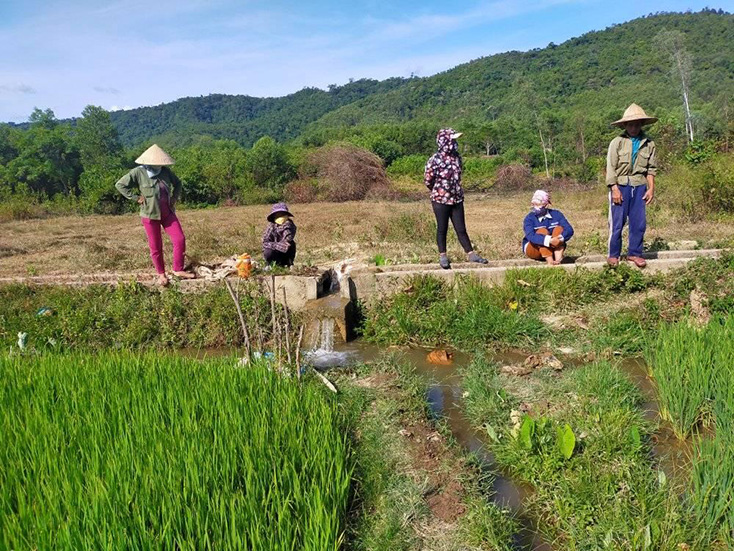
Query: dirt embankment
x=399, y=232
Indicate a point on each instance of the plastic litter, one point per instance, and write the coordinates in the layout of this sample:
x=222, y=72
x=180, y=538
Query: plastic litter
x=244, y=265
x=440, y=357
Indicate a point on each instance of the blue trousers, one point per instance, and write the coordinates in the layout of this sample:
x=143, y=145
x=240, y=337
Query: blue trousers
x=632, y=208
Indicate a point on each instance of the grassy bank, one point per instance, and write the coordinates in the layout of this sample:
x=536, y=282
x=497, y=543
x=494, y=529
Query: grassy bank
x=611, y=311
x=127, y=316
x=582, y=444
x=137, y=452
x=414, y=487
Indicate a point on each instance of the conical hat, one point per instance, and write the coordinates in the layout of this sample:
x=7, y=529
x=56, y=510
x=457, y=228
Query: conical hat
x=634, y=113
x=154, y=155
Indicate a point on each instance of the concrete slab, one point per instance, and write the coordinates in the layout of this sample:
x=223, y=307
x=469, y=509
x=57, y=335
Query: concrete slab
x=373, y=282
x=370, y=284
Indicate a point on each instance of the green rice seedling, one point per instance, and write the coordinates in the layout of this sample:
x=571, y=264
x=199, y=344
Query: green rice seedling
x=711, y=496
x=686, y=363
x=124, y=451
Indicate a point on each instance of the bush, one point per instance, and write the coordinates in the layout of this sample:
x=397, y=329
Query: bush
x=21, y=207
x=344, y=173
x=479, y=172
x=301, y=191
x=410, y=165
x=98, y=193
x=514, y=177
x=268, y=164
x=702, y=190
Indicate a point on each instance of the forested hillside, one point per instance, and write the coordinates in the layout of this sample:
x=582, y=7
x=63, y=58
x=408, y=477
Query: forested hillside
x=591, y=77
x=240, y=118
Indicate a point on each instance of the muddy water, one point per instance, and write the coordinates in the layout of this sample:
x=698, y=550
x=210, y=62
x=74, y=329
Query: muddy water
x=673, y=456
x=445, y=396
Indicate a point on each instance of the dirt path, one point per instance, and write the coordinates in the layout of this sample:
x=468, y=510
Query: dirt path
x=115, y=246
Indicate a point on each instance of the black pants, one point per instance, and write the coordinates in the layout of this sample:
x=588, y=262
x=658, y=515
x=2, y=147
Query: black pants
x=456, y=214
x=279, y=258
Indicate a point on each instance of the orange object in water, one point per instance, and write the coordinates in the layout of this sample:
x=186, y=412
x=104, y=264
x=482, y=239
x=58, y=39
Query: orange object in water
x=440, y=357
x=244, y=265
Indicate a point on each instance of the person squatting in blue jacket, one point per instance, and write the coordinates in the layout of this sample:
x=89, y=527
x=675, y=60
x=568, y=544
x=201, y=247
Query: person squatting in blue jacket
x=546, y=231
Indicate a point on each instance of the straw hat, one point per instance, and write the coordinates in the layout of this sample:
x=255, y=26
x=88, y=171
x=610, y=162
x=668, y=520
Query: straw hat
x=634, y=113
x=154, y=155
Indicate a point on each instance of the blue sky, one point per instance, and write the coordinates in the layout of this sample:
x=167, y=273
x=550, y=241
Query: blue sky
x=67, y=54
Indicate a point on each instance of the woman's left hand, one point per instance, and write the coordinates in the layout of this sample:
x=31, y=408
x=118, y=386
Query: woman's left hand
x=648, y=197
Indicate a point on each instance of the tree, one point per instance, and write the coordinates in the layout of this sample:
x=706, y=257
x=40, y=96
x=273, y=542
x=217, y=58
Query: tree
x=96, y=138
x=47, y=160
x=45, y=119
x=268, y=164
x=673, y=42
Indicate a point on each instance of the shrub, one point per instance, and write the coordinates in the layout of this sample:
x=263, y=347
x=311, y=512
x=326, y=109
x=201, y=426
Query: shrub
x=702, y=190
x=479, y=172
x=514, y=177
x=268, y=164
x=301, y=191
x=345, y=172
x=410, y=165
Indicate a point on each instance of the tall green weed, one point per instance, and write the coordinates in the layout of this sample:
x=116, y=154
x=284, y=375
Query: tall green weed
x=432, y=312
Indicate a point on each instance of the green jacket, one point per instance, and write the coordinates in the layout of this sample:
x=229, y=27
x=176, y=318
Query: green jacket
x=619, y=158
x=137, y=183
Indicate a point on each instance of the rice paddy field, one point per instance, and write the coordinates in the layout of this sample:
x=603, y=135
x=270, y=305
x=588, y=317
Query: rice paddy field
x=599, y=408
x=125, y=451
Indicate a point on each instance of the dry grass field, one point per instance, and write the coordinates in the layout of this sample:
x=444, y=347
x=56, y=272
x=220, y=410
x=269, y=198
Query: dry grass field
x=399, y=232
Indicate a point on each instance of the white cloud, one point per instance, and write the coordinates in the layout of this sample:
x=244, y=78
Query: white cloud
x=17, y=88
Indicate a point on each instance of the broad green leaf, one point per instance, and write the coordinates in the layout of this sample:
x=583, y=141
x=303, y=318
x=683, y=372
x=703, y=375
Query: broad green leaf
x=492, y=433
x=527, y=431
x=566, y=440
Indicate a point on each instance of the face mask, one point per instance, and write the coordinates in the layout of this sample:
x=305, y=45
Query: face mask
x=540, y=211
x=152, y=170
x=281, y=220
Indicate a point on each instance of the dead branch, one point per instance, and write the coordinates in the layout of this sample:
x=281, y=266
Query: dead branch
x=235, y=299
x=324, y=380
x=287, y=327
x=298, y=352
x=274, y=321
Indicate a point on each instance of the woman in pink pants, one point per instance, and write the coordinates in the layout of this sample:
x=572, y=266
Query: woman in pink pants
x=156, y=189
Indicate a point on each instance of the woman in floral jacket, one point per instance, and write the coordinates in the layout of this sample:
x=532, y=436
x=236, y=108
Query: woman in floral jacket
x=443, y=179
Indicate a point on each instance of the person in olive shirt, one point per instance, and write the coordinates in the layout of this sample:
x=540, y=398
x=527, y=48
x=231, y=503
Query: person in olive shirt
x=631, y=169
x=156, y=189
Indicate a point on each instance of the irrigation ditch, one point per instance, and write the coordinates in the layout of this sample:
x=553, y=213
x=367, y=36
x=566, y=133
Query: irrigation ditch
x=555, y=410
